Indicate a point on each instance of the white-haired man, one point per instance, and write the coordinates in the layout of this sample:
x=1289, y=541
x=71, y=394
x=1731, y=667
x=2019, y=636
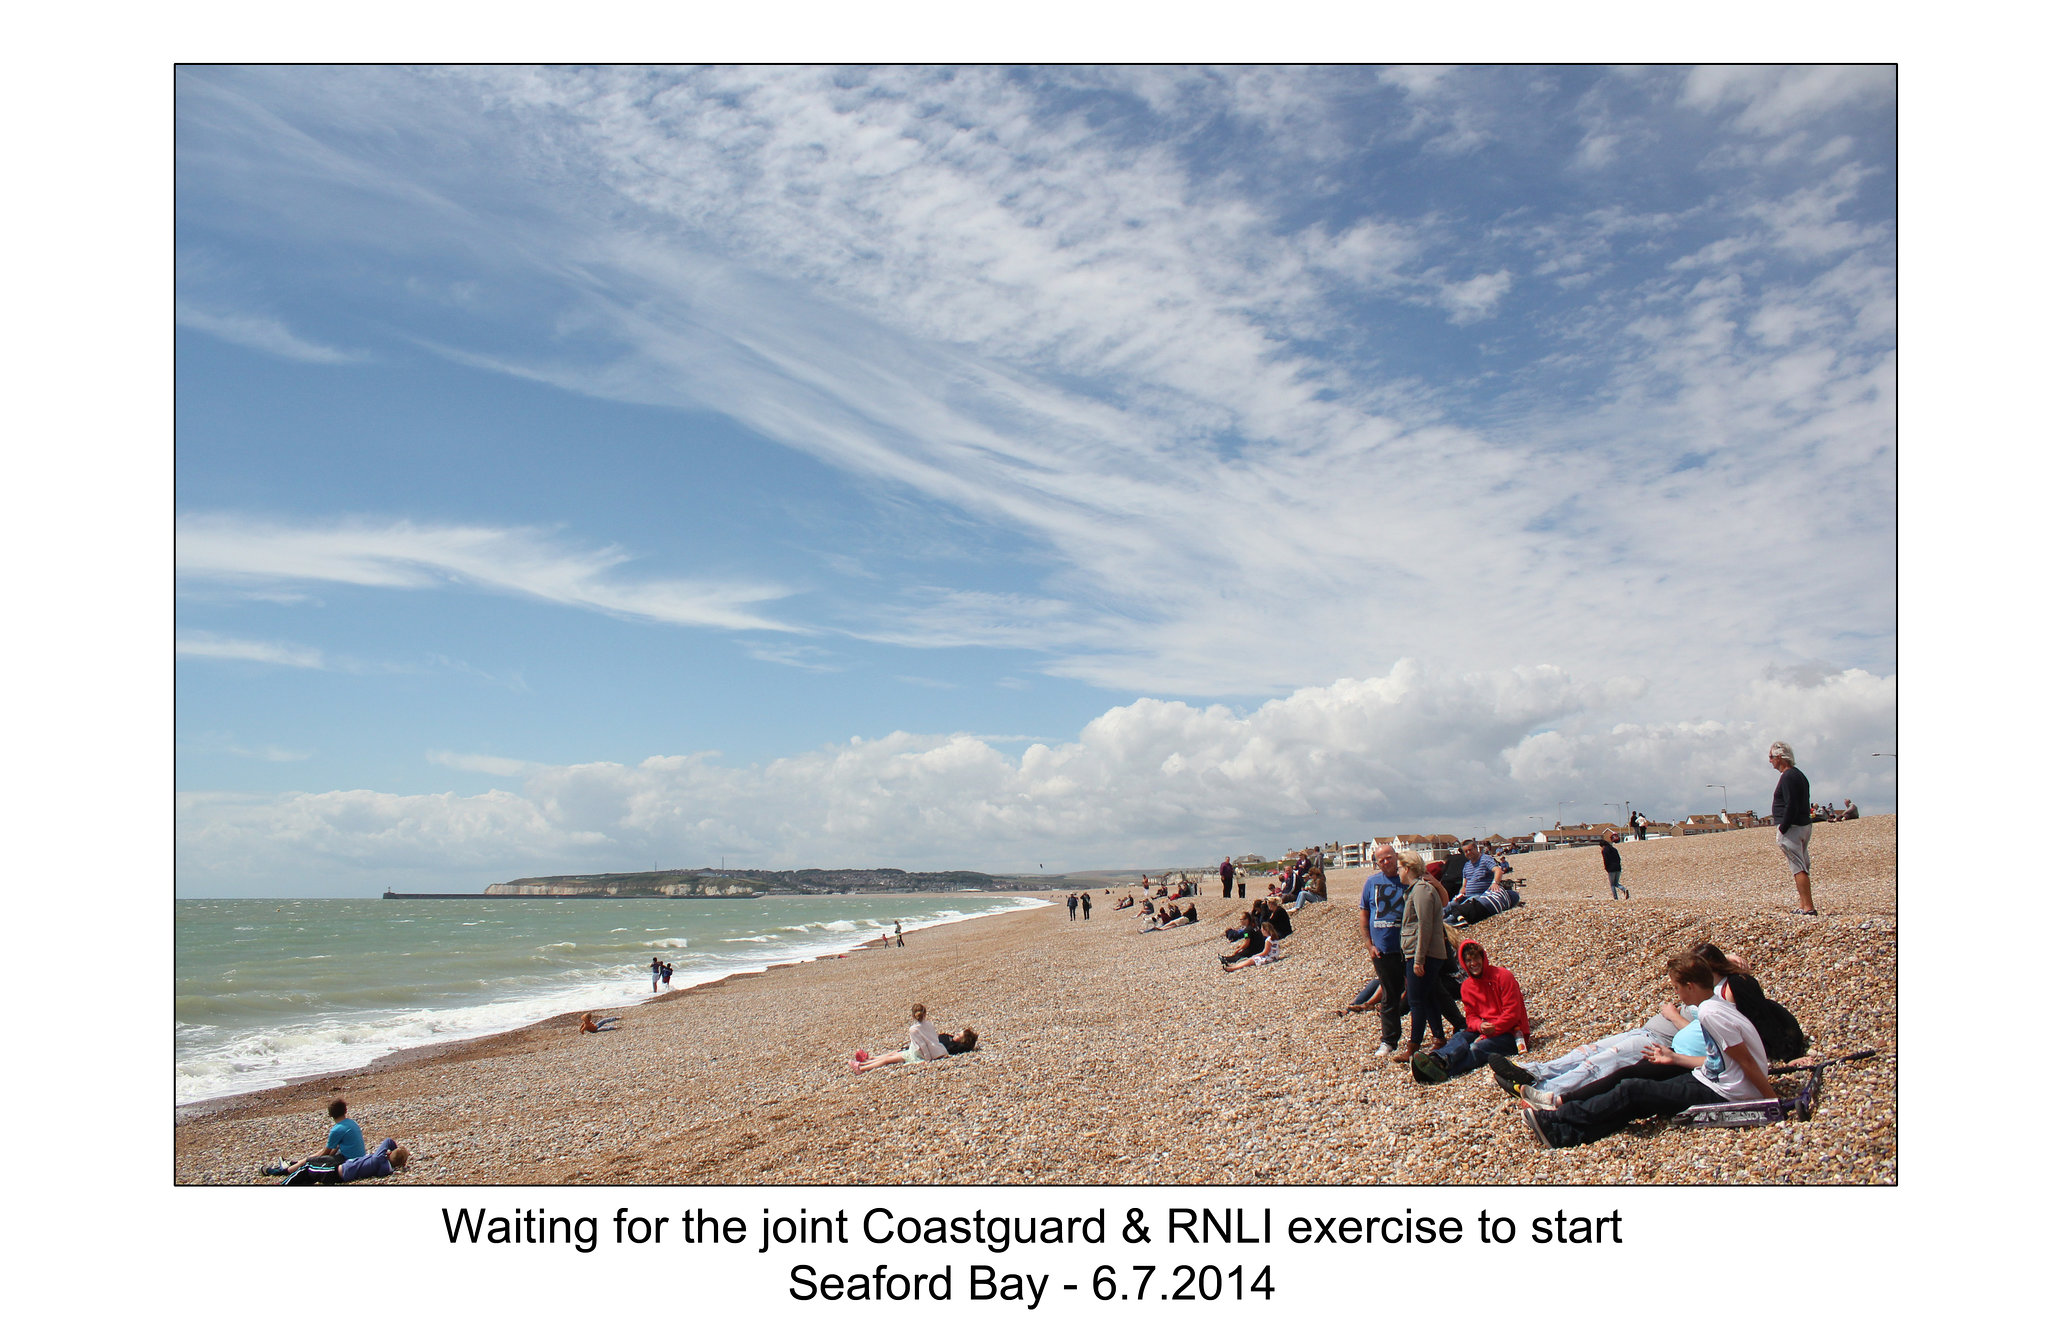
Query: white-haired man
x=1791, y=811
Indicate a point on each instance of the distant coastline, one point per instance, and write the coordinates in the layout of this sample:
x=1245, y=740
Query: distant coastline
x=640, y=885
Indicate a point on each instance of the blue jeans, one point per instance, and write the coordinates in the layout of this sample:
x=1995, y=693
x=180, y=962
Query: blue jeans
x=1467, y=1050
x=1422, y=1000
x=1576, y=1068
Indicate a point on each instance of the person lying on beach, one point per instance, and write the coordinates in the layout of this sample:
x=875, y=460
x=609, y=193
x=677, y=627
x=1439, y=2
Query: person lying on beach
x=1734, y=1069
x=327, y=1169
x=924, y=1045
x=592, y=1023
x=1270, y=953
x=1496, y=1020
x=1123, y=902
x=1180, y=918
x=960, y=1045
x=1470, y=908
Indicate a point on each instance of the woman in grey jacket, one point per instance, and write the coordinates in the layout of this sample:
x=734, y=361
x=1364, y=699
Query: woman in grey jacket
x=1423, y=945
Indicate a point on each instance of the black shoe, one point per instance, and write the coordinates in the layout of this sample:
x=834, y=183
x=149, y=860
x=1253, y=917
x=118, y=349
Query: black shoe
x=1509, y=1075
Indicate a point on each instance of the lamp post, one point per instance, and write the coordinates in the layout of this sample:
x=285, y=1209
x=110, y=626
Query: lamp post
x=1724, y=792
x=1615, y=806
x=1560, y=811
x=1882, y=754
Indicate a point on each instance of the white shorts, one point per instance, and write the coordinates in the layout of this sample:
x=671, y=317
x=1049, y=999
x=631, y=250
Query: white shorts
x=1793, y=842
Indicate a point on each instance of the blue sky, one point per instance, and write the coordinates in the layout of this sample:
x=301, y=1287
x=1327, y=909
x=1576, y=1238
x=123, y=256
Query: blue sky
x=606, y=468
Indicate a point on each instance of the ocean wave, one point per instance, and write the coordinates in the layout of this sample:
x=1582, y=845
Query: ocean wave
x=667, y=944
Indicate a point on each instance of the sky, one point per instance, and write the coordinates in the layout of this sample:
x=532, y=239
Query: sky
x=600, y=469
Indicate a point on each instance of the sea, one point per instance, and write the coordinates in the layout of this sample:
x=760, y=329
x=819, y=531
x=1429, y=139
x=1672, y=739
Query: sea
x=270, y=990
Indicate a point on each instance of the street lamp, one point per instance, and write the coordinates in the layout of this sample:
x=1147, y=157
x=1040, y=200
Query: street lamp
x=1882, y=754
x=1560, y=811
x=1724, y=792
x=1615, y=806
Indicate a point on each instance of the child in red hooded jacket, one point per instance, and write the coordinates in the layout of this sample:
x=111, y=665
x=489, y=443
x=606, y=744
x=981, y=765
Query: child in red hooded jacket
x=1496, y=1023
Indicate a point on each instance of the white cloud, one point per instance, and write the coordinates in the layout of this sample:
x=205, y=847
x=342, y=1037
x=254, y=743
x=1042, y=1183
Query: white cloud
x=1784, y=99
x=199, y=643
x=1154, y=780
x=263, y=334
x=495, y=765
x=402, y=555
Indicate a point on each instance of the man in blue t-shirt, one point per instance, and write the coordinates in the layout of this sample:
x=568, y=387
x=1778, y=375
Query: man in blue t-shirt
x=345, y=1139
x=1482, y=872
x=1379, y=919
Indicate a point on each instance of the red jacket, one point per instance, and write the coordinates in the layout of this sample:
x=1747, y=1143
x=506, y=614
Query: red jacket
x=1491, y=994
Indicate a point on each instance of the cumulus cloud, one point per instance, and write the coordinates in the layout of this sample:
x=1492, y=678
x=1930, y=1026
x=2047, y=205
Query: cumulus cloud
x=1153, y=780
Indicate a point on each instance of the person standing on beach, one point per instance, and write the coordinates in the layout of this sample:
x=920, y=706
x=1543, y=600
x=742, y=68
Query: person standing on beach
x=1610, y=858
x=1072, y=903
x=1379, y=919
x=1087, y=904
x=1228, y=872
x=654, y=967
x=1791, y=811
x=899, y=934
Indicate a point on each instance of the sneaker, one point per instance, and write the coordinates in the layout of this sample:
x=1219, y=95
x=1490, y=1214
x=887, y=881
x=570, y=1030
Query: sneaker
x=1535, y=1123
x=1383, y=1052
x=1509, y=1074
x=1541, y=1100
x=1429, y=1068
x=1805, y=911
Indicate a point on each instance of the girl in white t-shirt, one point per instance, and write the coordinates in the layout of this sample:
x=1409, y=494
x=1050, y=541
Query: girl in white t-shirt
x=924, y=1045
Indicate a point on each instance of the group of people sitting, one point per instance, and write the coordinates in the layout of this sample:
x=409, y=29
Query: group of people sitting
x=1303, y=880
x=1715, y=1043
x=926, y=1043
x=1166, y=917
x=1257, y=934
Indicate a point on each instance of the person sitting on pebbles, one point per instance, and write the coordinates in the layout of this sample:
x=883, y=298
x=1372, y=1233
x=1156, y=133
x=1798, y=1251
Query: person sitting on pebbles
x=594, y=1023
x=924, y=1045
x=1733, y=1069
x=1269, y=954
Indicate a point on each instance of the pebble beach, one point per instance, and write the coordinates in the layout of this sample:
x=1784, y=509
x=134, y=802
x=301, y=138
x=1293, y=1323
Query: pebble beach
x=1113, y=1057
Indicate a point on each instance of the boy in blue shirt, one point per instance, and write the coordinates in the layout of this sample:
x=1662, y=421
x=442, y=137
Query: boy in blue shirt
x=345, y=1139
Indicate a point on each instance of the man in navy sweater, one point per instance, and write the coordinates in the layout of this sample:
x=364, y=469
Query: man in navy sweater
x=1792, y=812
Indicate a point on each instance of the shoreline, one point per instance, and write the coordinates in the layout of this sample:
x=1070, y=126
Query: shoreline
x=1111, y=1057
x=452, y=1047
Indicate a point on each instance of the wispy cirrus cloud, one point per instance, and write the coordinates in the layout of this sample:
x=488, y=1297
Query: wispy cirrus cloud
x=1130, y=319
x=495, y=765
x=405, y=555
x=262, y=333
x=200, y=643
